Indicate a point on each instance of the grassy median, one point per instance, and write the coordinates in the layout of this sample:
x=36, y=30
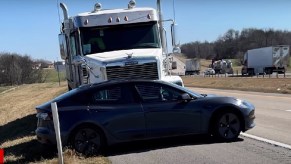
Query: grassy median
x=269, y=85
x=18, y=122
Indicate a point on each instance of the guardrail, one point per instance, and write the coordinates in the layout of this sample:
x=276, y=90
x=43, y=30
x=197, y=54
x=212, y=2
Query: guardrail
x=236, y=74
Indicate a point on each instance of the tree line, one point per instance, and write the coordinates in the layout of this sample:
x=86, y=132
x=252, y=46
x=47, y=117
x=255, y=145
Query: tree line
x=233, y=44
x=16, y=69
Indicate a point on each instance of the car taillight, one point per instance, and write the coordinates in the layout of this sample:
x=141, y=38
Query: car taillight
x=44, y=116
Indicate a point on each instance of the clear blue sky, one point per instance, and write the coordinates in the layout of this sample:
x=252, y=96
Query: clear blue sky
x=31, y=27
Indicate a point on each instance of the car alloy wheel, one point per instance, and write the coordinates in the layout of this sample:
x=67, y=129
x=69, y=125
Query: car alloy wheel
x=228, y=126
x=87, y=141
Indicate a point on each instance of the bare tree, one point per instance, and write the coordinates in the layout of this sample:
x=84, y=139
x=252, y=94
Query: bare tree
x=16, y=69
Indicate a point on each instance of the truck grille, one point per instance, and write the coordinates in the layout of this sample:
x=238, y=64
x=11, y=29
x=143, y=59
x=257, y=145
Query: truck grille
x=142, y=71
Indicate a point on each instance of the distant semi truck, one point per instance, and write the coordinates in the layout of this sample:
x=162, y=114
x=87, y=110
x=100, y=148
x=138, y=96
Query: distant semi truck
x=222, y=67
x=192, y=66
x=266, y=60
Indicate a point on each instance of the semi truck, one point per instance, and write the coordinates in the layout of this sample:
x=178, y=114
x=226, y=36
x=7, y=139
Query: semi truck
x=112, y=44
x=192, y=66
x=222, y=67
x=266, y=60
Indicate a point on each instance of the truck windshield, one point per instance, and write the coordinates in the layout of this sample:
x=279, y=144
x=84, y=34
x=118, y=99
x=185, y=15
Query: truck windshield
x=119, y=37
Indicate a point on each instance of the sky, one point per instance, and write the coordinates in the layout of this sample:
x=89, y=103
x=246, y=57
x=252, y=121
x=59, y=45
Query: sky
x=31, y=27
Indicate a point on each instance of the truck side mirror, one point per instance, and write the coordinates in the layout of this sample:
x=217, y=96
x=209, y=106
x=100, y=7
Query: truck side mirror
x=63, y=46
x=175, y=40
x=164, y=39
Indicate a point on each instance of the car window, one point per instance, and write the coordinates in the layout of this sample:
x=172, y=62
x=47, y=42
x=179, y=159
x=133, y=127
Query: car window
x=108, y=94
x=149, y=92
x=112, y=95
x=152, y=92
x=170, y=94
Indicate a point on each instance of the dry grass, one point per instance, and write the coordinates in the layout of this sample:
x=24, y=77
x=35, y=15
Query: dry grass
x=18, y=122
x=273, y=85
x=71, y=157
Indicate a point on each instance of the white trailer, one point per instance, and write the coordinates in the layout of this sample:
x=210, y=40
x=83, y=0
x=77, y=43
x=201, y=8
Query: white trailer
x=116, y=44
x=266, y=60
x=192, y=66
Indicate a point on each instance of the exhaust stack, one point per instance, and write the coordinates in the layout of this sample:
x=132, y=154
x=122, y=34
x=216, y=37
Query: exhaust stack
x=65, y=11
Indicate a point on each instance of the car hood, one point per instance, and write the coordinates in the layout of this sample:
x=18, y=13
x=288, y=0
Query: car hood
x=224, y=100
x=217, y=99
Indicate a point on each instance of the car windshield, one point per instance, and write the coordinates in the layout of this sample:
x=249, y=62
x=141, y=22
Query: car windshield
x=119, y=37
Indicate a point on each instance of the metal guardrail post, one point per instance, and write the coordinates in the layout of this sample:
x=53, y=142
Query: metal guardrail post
x=54, y=108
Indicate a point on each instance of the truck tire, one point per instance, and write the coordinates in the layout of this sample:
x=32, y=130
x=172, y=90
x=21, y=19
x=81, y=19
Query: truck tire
x=69, y=88
x=251, y=72
x=268, y=71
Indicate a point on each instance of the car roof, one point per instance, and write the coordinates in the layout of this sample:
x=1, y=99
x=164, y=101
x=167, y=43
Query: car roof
x=119, y=81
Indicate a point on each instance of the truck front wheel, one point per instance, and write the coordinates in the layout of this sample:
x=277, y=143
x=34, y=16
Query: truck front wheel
x=69, y=88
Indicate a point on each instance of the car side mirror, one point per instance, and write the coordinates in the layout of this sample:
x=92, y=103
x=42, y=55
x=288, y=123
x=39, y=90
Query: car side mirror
x=185, y=97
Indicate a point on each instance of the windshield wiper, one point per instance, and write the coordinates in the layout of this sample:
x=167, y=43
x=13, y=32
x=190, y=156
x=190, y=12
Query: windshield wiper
x=145, y=45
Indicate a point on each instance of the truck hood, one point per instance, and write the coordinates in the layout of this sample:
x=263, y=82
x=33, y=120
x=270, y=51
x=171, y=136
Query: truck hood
x=124, y=54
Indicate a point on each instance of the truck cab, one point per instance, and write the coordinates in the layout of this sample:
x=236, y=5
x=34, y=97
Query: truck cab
x=115, y=44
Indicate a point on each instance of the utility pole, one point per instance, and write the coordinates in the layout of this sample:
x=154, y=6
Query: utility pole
x=58, y=72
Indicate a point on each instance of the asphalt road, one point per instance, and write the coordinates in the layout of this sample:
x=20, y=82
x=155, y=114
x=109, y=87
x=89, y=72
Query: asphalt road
x=196, y=150
x=273, y=122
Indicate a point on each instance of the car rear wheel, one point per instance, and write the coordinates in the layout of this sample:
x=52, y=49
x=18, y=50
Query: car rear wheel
x=227, y=126
x=88, y=141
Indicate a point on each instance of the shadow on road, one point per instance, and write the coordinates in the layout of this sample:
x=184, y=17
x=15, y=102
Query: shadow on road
x=149, y=145
x=22, y=151
x=31, y=151
x=18, y=128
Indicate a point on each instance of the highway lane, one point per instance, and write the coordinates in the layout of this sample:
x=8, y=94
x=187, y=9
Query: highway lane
x=189, y=150
x=273, y=115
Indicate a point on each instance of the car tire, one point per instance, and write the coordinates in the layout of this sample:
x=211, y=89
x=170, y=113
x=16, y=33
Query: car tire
x=88, y=141
x=227, y=126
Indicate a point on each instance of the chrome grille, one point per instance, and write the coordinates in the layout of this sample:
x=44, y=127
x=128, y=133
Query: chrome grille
x=140, y=71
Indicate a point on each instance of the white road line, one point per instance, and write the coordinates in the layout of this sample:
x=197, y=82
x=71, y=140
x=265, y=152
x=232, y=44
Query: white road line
x=288, y=110
x=266, y=140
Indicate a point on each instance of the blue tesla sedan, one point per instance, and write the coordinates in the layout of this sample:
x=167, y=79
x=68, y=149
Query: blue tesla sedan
x=95, y=115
